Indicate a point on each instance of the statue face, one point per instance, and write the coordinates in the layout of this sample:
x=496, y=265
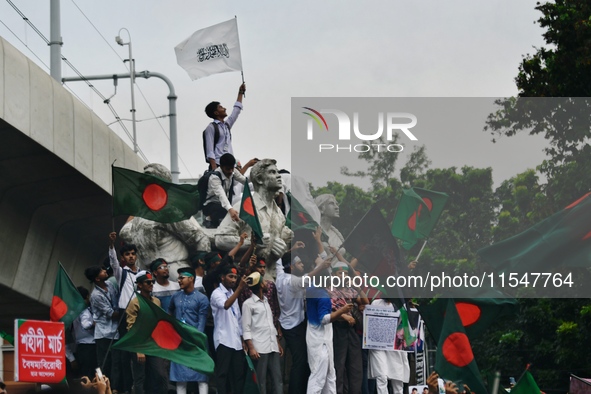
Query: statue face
x=271, y=178
x=331, y=209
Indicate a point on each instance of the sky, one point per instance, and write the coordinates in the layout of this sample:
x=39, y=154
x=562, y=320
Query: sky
x=345, y=48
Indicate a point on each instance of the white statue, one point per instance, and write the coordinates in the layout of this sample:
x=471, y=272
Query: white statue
x=173, y=242
x=329, y=210
x=267, y=183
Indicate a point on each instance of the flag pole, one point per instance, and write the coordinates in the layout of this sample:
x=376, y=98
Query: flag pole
x=65, y=272
x=340, y=247
x=241, y=71
x=495, y=386
x=420, y=251
x=112, y=198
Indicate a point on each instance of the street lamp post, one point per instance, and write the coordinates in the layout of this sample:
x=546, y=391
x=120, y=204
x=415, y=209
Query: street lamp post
x=132, y=79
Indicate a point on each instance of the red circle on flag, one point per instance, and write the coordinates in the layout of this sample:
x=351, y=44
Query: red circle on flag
x=456, y=350
x=166, y=336
x=58, y=309
x=155, y=197
x=412, y=221
x=247, y=205
x=469, y=313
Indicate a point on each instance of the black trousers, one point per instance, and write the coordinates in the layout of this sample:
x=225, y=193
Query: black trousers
x=295, y=339
x=230, y=369
x=112, y=366
x=347, y=358
x=154, y=368
x=86, y=357
x=215, y=211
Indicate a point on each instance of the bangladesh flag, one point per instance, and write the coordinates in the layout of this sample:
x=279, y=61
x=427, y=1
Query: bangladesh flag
x=455, y=360
x=297, y=217
x=526, y=385
x=476, y=314
x=248, y=213
x=374, y=246
x=159, y=334
x=152, y=198
x=409, y=334
x=563, y=239
x=417, y=213
x=67, y=303
x=251, y=385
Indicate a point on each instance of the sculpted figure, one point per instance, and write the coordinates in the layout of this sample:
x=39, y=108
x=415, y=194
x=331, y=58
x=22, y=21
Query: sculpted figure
x=173, y=242
x=329, y=210
x=266, y=182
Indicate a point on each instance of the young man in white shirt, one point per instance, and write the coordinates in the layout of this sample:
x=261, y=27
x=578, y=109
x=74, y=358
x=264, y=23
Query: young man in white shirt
x=215, y=149
x=227, y=333
x=261, y=337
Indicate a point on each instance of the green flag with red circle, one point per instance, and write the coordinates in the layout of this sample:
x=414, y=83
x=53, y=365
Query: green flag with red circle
x=248, y=213
x=152, y=198
x=417, y=214
x=159, y=334
x=476, y=314
x=455, y=360
x=67, y=303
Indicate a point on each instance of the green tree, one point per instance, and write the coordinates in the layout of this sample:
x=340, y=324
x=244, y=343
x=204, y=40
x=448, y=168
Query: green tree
x=560, y=73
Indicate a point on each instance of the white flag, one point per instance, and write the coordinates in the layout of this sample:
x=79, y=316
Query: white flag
x=213, y=50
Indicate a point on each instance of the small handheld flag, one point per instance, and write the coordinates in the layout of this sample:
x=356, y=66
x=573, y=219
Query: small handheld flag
x=248, y=213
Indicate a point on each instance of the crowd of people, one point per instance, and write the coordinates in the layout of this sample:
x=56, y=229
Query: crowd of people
x=246, y=305
x=240, y=311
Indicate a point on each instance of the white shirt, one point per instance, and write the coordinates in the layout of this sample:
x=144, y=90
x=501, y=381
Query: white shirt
x=227, y=322
x=224, y=144
x=128, y=289
x=218, y=188
x=257, y=324
x=291, y=296
x=84, y=328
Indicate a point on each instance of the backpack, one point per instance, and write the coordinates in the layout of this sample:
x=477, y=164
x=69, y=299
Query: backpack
x=216, y=139
x=203, y=186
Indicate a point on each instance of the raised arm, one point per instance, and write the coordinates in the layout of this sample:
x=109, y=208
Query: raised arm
x=117, y=270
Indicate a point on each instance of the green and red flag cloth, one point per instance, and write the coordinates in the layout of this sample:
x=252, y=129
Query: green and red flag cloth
x=67, y=303
x=152, y=198
x=248, y=213
x=526, y=385
x=562, y=240
x=374, y=246
x=297, y=217
x=404, y=326
x=417, y=214
x=476, y=314
x=251, y=385
x=159, y=334
x=455, y=360
x=7, y=337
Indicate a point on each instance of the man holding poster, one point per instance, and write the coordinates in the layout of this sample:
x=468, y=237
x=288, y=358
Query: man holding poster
x=392, y=365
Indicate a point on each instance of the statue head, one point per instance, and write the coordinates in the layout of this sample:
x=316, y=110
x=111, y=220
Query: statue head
x=264, y=175
x=328, y=205
x=158, y=170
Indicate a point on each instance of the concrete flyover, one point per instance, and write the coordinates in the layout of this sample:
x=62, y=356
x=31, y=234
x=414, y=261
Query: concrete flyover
x=55, y=186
